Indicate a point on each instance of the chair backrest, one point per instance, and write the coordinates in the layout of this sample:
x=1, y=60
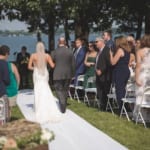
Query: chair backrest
x=112, y=89
x=2, y=109
x=130, y=90
x=80, y=80
x=91, y=81
x=146, y=95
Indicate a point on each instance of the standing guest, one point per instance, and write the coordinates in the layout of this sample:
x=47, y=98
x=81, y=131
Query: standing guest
x=142, y=74
x=63, y=71
x=89, y=62
x=22, y=63
x=73, y=46
x=121, y=72
x=79, y=58
x=107, y=36
x=4, y=79
x=103, y=72
x=12, y=88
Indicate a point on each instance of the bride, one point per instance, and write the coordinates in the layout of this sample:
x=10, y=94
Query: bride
x=46, y=108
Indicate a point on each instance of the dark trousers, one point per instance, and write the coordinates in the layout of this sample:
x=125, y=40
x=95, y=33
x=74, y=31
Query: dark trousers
x=61, y=88
x=24, y=79
x=102, y=91
x=120, y=86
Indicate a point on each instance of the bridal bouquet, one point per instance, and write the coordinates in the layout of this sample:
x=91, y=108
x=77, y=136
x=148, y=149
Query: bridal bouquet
x=46, y=136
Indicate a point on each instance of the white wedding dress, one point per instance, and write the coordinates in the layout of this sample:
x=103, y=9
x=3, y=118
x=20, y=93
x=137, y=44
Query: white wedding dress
x=46, y=105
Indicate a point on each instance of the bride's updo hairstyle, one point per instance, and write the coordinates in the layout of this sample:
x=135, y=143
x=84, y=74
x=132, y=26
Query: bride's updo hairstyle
x=41, y=60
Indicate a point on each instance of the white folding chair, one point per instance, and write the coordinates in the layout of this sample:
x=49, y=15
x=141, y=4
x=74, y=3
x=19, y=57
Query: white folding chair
x=128, y=99
x=2, y=111
x=146, y=95
x=79, y=86
x=111, y=99
x=90, y=90
x=71, y=87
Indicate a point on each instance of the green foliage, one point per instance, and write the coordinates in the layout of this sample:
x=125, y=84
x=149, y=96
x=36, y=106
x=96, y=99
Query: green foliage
x=16, y=113
x=35, y=138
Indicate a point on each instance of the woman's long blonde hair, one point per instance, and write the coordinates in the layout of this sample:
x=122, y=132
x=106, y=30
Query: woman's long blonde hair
x=41, y=62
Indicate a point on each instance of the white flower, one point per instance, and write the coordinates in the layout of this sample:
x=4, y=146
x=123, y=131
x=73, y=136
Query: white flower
x=46, y=135
x=3, y=140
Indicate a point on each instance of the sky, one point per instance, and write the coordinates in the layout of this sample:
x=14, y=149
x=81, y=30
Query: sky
x=13, y=25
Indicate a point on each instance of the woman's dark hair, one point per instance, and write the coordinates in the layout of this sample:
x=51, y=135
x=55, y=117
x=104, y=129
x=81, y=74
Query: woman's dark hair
x=93, y=45
x=4, y=49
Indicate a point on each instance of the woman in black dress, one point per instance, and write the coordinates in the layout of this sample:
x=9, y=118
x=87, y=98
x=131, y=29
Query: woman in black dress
x=121, y=72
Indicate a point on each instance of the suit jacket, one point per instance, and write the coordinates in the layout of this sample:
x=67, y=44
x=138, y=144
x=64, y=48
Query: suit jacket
x=64, y=63
x=80, y=67
x=103, y=63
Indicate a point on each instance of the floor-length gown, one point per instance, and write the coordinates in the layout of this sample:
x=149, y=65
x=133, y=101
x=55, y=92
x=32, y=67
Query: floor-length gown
x=144, y=76
x=90, y=71
x=46, y=105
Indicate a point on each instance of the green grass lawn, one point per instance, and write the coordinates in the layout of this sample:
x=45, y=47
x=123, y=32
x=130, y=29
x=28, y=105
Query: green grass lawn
x=134, y=137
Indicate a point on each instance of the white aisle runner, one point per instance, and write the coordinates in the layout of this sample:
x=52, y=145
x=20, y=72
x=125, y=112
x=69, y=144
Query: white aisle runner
x=73, y=133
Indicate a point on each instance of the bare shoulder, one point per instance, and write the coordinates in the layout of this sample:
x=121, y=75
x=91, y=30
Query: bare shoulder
x=120, y=52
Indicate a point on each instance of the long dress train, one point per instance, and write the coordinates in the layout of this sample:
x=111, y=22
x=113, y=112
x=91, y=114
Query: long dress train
x=46, y=105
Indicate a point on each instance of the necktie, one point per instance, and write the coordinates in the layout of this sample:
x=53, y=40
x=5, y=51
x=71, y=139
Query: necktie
x=76, y=53
x=97, y=57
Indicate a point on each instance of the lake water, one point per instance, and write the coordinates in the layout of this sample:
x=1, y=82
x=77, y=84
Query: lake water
x=16, y=42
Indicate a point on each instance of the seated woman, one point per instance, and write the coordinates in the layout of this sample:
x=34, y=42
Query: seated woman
x=89, y=62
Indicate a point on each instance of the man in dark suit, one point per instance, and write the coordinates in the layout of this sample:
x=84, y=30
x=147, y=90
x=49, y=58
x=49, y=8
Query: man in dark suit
x=103, y=72
x=22, y=63
x=63, y=71
x=79, y=58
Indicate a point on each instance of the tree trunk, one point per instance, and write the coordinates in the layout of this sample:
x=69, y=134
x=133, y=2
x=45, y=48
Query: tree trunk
x=147, y=23
x=139, y=29
x=81, y=29
x=51, y=35
x=67, y=37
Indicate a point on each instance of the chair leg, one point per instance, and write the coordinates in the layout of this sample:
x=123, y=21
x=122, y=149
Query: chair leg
x=86, y=99
x=108, y=106
x=69, y=93
x=96, y=102
x=76, y=96
x=139, y=116
x=123, y=111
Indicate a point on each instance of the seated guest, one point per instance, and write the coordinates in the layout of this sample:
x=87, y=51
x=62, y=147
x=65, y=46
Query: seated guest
x=4, y=79
x=22, y=63
x=89, y=62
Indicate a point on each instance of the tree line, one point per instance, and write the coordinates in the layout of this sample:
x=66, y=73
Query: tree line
x=79, y=16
